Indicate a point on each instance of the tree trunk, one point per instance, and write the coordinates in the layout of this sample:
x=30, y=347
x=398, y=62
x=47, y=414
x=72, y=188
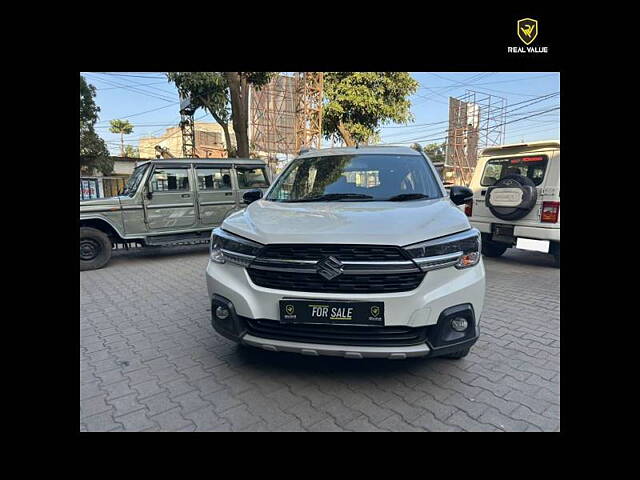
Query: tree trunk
x=225, y=129
x=121, y=144
x=239, y=89
x=346, y=136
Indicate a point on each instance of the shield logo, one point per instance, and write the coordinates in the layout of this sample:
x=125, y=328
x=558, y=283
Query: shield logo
x=375, y=311
x=289, y=309
x=527, y=30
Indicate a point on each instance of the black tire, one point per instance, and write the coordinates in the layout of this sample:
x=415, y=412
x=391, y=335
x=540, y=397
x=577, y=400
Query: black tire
x=457, y=355
x=530, y=196
x=493, y=249
x=95, y=249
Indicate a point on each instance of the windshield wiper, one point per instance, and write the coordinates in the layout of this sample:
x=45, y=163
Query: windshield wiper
x=407, y=196
x=335, y=196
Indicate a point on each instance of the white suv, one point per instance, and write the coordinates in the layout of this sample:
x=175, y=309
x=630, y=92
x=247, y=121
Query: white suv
x=353, y=252
x=516, y=198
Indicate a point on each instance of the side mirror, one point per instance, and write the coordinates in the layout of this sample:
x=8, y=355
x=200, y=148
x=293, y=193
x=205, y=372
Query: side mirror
x=251, y=196
x=149, y=194
x=460, y=195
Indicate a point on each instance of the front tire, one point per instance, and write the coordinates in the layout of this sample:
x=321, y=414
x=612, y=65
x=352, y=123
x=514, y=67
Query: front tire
x=95, y=249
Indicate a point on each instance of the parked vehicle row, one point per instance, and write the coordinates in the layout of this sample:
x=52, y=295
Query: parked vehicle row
x=352, y=252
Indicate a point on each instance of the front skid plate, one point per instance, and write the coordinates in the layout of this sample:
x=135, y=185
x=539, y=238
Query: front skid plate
x=346, y=351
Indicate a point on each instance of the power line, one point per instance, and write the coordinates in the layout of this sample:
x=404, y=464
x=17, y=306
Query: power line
x=133, y=89
x=127, y=75
x=141, y=113
x=523, y=79
x=422, y=139
x=140, y=84
x=508, y=113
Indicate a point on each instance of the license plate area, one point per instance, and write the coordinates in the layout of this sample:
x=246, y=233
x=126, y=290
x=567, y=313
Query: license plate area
x=332, y=312
x=502, y=233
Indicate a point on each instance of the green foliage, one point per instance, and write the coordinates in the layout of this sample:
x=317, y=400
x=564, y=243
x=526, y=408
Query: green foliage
x=131, y=152
x=208, y=90
x=358, y=103
x=93, y=151
x=121, y=126
x=436, y=152
x=211, y=91
x=259, y=79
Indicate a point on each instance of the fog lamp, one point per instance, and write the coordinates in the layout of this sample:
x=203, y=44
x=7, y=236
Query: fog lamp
x=459, y=324
x=222, y=312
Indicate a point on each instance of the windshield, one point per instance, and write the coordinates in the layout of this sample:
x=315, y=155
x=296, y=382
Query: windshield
x=134, y=180
x=533, y=167
x=361, y=177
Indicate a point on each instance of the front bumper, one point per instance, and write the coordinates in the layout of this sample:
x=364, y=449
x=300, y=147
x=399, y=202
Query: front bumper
x=424, y=306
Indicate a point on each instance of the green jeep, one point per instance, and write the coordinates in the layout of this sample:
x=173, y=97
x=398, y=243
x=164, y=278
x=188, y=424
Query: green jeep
x=168, y=202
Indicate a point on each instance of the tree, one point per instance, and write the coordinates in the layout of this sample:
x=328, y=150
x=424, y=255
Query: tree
x=436, y=152
x=123, y=127
x=225, y=95
x=357, y=103
x=93, y=151
x=239, y=83
x=131, y=152
x=208, y=90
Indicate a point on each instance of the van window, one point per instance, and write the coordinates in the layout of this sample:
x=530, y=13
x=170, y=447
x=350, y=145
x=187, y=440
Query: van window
x=214, y=178
x=252, y=177
x=170, y=179
x=532, y=166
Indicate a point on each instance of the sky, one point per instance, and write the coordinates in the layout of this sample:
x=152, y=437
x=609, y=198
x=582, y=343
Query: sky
x=532, y=103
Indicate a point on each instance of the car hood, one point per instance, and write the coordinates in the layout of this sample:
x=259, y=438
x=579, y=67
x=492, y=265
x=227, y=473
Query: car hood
x=377, y=223
x=90, y=205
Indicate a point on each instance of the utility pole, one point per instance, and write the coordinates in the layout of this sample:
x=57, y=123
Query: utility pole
x=187, y=125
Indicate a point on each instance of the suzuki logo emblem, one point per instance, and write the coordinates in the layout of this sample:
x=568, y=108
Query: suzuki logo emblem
x=329, y=268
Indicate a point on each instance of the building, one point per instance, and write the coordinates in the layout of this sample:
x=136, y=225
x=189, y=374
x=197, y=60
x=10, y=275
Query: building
x=95, y=185
x=209, y=138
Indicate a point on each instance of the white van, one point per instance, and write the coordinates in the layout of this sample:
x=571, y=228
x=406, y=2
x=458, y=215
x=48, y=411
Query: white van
x=516, y=198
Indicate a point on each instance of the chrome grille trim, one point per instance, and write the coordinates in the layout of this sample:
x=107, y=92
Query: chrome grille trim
x=350, y=267
x=440, y=261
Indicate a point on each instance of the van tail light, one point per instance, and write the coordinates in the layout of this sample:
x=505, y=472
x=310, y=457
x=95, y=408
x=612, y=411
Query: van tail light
x=468, y=208
x=550, y=212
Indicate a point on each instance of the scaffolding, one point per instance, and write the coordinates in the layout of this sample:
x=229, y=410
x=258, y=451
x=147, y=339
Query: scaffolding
x=309, y=110
x=476, y=121
x=286, y=115
x=272, y=114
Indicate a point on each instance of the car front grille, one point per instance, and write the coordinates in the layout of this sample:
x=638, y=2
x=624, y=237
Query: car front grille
x=312, y=282
x=399, y=336
x=360, y=268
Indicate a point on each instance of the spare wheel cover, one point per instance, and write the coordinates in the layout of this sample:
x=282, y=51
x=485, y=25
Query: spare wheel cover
x=512, y=197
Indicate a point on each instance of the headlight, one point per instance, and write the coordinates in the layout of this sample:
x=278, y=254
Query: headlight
x=226, y=247
x=461, y=250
